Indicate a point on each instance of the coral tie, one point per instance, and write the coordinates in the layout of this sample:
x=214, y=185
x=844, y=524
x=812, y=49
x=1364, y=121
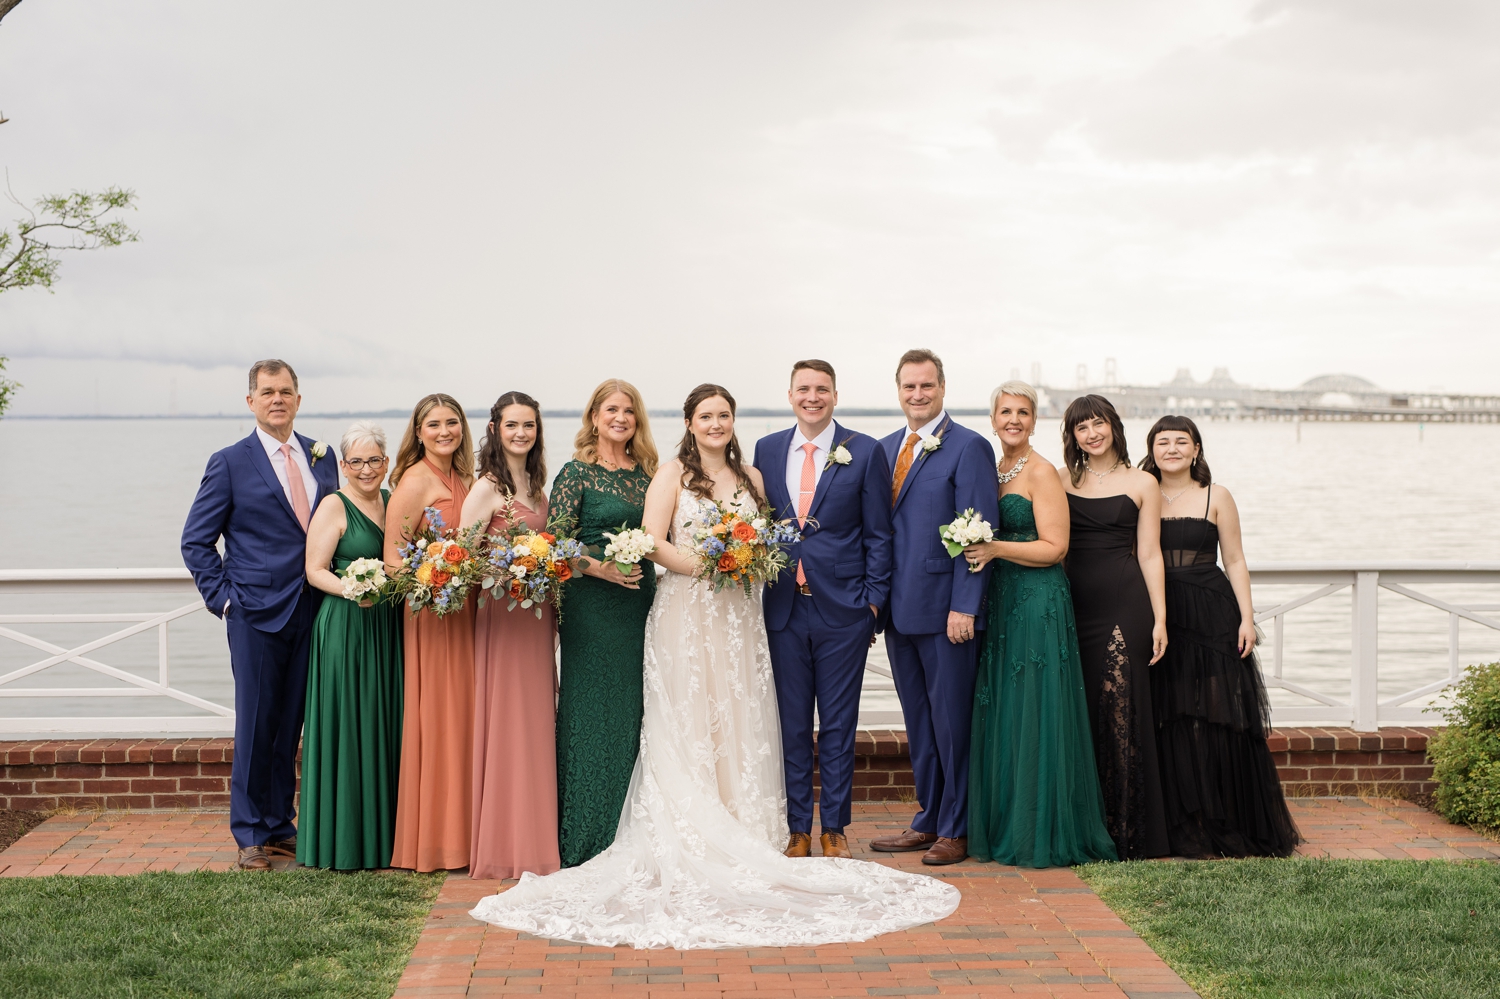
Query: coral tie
x=296, y=487
x=903, y=465
x=805, y=490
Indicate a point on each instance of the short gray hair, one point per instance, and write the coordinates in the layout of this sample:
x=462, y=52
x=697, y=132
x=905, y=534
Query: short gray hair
x=1014, y=387
x=363, y=432
x=271, y=366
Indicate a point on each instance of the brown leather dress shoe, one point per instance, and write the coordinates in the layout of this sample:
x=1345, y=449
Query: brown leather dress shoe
x=947, y=851
x=283, y=847
x=800, y=845
x=253, y=858
x=904, y=843
x=835, y=845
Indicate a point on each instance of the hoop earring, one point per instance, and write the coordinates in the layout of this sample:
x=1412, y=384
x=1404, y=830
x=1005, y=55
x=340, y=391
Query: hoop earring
x=594, y=430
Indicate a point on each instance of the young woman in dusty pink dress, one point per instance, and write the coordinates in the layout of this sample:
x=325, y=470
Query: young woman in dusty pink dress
x=434, y=468
x=514, y=828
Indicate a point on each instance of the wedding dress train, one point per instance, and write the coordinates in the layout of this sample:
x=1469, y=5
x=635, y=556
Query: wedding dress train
x=697, y=862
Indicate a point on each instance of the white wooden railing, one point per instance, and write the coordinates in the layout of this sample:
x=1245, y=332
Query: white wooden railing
x=1361, y=708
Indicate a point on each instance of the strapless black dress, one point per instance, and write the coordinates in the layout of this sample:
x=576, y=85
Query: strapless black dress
x=1113, y=613
x=1222, y=794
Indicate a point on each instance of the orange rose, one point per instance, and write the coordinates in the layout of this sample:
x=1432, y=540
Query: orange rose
x=727, y=563
x=719, y=530
x=744, y=532
x=454, y=555
x=440, y=577
x=529, y=561
x=515, y=589
x=549, y=538
x=563, y=569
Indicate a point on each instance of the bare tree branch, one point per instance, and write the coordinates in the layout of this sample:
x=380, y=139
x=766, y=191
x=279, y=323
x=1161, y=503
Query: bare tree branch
x=6, y=6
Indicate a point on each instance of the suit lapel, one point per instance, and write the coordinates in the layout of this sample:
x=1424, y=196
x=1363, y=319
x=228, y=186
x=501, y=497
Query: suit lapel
x=918, y=462
x=776, y=477
x=262, y=463
x=321, y=486
x=825, y=481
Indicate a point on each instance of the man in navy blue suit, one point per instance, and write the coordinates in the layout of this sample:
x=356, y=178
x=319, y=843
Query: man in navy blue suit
x=258, y=495
x=940, y=469
x=821, y=612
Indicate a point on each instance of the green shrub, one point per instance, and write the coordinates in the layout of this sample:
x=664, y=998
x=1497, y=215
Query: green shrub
x=1466, y=755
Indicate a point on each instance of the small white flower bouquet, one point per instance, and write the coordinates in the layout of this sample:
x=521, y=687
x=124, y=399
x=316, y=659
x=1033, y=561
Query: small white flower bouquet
x=968, y=529
x=364, y=578
x=628, y=546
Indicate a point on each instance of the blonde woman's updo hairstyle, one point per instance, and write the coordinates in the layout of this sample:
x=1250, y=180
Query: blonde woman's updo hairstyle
x=641, y=448
x=1014, y=387
x=363, y=432
x=412, y=448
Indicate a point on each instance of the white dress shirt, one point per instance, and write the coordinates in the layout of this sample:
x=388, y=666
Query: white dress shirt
x=822, y=444
x=924, y=431
x=278, y=465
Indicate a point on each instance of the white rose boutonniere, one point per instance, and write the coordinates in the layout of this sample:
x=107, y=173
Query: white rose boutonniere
x=930, y=443
x=838, y=456
x=319, y=450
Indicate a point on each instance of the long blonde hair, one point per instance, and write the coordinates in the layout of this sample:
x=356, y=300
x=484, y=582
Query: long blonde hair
x=641, y=447
x=412, y=449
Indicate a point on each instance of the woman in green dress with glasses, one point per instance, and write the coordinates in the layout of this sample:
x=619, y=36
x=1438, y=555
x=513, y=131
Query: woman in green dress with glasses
x=602, y=630
x=351, y=746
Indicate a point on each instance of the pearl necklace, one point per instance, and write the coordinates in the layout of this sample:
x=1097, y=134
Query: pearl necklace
x=1100, y=475
x=1010, y=475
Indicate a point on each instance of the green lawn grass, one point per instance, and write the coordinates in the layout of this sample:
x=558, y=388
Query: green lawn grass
x=292, y=935
x=1316, y=929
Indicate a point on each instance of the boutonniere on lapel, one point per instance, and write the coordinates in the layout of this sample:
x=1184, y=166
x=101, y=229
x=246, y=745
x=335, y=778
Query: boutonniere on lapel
x=839, y=455
x=931, y=442
x=319, y=450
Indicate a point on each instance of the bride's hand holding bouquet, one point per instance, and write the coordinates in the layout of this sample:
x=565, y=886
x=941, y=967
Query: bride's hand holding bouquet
x=735, y=551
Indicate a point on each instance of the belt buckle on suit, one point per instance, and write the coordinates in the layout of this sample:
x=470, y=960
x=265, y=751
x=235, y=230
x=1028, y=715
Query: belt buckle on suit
x=804, y=589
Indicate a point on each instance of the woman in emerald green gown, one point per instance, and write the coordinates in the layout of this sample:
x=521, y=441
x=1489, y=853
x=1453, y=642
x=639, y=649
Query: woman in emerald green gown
x=1034, y=798
x=602, y=631
x=351, y=745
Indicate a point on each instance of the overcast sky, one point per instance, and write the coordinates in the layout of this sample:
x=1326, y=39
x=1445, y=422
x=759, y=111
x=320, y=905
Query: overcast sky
x=481, y=196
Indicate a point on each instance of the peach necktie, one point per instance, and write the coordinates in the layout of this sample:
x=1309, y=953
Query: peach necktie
x=805, y=490
x=903, y=465
x=296, y=487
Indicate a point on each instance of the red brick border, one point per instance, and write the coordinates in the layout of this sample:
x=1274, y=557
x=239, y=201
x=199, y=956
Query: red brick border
x=194, y=773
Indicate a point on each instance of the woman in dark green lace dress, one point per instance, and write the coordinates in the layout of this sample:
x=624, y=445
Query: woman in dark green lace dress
x=603, y=626
x=351, y=746
x=1034, y=798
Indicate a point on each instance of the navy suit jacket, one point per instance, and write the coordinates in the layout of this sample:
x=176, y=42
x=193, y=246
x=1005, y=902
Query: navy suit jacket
x=848, y=549
x=926, y=582
x=265, y=549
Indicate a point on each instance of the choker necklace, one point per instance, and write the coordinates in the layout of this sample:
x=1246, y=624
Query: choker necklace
x=1100, y=475
x=1008, y=476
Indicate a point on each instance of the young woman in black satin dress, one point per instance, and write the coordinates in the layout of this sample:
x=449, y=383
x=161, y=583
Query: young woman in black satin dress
x=1221, y=791
x=1114, y=568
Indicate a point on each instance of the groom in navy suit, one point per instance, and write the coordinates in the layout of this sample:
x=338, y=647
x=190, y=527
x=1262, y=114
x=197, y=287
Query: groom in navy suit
x=940, y=470
x=821, y=612
x=258, y=495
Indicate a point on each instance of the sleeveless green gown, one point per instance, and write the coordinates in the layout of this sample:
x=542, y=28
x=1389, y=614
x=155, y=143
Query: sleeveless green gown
x=1034, y=798
x=602, y=640
x=351, y=743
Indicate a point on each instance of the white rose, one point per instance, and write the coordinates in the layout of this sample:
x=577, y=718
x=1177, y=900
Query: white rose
x=930, y=442
x=840, y=455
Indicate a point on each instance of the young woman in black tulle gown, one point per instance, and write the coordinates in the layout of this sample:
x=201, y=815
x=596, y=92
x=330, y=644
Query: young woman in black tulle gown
x=1115, y=572
x=1221, y=791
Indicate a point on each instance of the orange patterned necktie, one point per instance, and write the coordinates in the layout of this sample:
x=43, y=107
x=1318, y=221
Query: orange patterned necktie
x=903, y=465
x=806, y=488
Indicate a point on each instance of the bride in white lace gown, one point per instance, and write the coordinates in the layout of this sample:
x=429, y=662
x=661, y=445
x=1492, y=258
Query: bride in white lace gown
x=696, y=861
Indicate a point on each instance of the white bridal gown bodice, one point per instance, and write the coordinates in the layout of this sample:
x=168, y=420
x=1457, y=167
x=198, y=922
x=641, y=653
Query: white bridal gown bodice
x=697, y=861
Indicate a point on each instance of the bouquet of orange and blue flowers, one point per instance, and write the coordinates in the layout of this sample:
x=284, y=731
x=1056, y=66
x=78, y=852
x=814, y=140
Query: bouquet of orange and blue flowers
x=529, y=566
x=735, y=551
x=439, y=566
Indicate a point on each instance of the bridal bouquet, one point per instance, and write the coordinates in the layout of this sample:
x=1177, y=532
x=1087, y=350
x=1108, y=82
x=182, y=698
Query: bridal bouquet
x=627, y=547
x=739, y=552
x=529, y=566
x=968, y=529
x=439, y=566
x=364, y=578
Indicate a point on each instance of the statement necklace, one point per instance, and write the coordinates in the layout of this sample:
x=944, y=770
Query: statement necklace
x=1100, y=475
x=1008, y=476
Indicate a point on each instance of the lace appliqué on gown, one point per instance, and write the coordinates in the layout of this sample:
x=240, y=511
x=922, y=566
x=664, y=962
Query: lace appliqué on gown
x=696, y=862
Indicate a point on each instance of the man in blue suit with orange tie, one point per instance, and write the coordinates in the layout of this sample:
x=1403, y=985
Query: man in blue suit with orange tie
x=258, y=495
x=940, y=470
x=821, y=612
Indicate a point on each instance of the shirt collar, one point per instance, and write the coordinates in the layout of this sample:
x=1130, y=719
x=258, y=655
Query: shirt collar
x=822, y=442
x=272, y=445
x=931, y=428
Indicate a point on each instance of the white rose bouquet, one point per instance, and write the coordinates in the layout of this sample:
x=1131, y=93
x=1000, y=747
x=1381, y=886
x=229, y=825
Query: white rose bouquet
x=364, y=578
x=628, y=546
x=968, y=529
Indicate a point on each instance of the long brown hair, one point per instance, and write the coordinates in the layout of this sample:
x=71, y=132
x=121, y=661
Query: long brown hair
x=641, y=448
x=694, y=479
x=1199, y=472
x=1088, y=407
x=492, y=453
x=412, y=449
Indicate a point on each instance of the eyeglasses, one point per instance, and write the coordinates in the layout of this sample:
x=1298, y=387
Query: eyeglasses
x=355, y=464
